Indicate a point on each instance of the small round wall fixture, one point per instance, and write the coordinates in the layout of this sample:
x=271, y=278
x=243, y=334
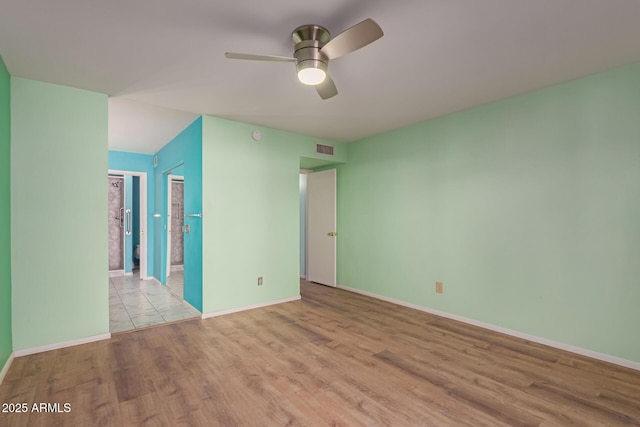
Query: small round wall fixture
x=256, y=135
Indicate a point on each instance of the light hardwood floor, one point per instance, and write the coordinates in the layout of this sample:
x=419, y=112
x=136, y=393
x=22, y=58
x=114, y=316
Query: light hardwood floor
x=333, y=358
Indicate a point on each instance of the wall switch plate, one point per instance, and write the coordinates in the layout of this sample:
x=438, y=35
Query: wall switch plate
x=260, y=281
x=439, y=289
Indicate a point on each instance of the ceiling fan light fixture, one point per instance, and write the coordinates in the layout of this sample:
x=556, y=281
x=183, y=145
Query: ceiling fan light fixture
x=314, y=48
x=311, y=72
x=311, y=76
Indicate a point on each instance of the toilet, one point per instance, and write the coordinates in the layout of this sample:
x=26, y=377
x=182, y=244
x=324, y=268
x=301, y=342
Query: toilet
x=136, y=253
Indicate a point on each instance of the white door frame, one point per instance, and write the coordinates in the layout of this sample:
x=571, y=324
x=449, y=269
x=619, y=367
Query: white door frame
x=143, y=217
x=170, y=179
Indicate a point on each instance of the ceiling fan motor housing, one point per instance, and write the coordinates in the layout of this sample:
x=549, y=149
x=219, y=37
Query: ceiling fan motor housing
x=309, y=39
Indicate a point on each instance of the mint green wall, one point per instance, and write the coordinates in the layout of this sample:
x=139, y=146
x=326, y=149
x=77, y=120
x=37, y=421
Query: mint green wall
x=59, y=210
x=6, y=346
x=251, y=216
x=527, y=209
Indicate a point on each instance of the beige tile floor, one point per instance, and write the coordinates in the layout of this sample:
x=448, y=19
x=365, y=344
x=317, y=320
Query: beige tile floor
x=135, y=303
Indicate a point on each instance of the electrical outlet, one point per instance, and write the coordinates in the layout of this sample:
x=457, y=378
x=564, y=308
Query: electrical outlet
x=439, y=289
x=260, y=281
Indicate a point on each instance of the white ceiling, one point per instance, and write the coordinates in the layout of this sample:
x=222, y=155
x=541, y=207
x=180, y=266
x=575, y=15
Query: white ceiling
x=162, y=61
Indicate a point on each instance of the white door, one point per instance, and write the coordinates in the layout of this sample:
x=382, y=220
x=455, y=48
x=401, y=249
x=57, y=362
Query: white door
x=321, y=227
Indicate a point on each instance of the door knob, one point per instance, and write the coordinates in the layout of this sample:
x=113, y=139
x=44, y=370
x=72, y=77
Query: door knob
x=332, y=234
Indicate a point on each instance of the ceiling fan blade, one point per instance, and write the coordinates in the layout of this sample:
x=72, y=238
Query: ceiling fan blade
x=272, y=58
x=354, y=38
x=327, y=89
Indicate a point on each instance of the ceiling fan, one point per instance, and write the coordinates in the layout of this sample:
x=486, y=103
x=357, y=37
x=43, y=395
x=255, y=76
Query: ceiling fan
x=314, y=48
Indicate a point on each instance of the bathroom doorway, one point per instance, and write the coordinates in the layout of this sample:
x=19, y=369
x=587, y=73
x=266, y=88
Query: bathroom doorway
x=175, y=234
x=127, y=213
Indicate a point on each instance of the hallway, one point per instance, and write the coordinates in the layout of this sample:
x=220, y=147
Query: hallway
x=137, y=304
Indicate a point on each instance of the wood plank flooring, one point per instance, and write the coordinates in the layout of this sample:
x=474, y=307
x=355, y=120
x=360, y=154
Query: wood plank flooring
x=333, y=358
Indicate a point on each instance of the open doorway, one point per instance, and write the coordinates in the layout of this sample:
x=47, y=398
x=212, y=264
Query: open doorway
x=175, y=235
x=318, y=221
x=135, y=302
x=127, y=213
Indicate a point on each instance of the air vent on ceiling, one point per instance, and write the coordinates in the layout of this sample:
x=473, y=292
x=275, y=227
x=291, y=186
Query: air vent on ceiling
x=324, y=149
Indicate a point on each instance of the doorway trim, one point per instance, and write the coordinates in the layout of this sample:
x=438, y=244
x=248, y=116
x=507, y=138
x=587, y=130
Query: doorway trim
x=144, y=234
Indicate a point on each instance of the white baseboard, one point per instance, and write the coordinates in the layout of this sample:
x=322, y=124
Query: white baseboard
x=71, y=343
x=177, y=268
x=6, y=367
x=559, y=345
x=115, y=273
x=249, y=307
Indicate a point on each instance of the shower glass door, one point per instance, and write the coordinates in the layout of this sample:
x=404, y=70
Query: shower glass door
x=116, y=223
